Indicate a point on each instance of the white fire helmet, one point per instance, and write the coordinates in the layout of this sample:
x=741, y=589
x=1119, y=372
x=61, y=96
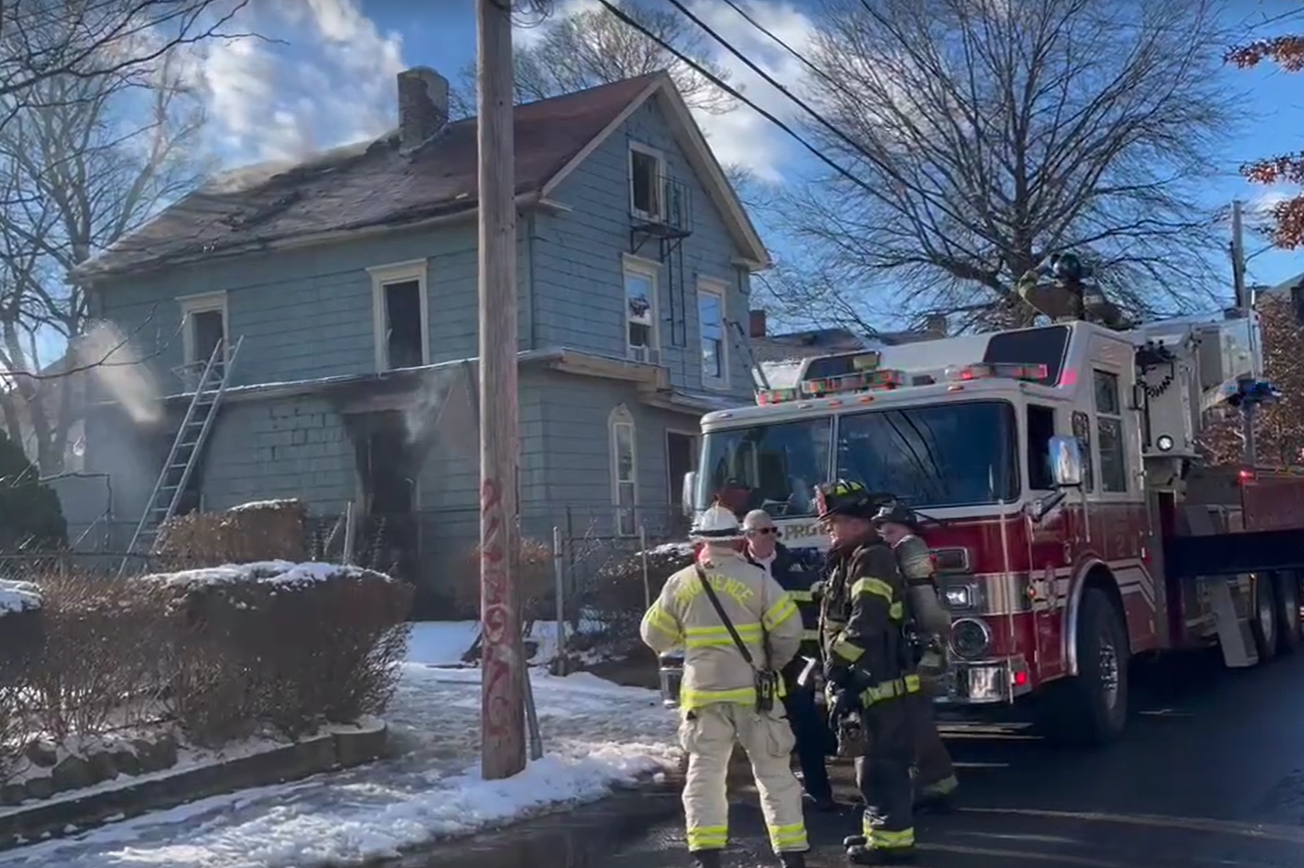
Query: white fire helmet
x=716, y=525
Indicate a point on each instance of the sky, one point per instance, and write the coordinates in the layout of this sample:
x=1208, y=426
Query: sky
x=323, y=75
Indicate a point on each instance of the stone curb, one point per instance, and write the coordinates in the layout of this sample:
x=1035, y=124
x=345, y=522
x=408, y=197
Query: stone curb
x=290, y=763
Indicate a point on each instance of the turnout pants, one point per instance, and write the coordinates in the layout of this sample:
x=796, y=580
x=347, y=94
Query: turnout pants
x=708, y=734
x=883, y=775
x=934, y=773
x=813, y=740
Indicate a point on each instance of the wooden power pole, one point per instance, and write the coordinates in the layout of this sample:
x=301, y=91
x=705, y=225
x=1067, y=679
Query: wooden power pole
x=502, y=667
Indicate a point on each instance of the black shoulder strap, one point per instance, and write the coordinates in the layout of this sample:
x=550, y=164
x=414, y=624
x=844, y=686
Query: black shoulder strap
x=719, y=610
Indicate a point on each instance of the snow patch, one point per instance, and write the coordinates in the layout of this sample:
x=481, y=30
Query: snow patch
x=265, y=504
x=18, y=596
x=261, y=572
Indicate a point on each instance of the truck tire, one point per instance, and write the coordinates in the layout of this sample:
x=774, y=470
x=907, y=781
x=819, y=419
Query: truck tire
x=1264, y=616
x=1091, y=708
x=1288, y=626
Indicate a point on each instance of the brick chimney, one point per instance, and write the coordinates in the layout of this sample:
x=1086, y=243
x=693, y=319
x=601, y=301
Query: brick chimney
x=422, y=105
x=756, y=323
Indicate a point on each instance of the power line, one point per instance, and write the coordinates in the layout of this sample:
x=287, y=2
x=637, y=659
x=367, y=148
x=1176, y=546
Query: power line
x=771, y=81
x=735, y=93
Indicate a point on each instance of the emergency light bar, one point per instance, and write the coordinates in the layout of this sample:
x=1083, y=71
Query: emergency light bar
x=765, y=397
x=884, y=378
x=985, y=371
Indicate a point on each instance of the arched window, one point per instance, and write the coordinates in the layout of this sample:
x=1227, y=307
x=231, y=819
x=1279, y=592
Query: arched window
x=624, y=469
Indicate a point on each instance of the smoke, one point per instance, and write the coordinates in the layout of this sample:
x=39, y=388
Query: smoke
x=445, y=410
x=120, y=371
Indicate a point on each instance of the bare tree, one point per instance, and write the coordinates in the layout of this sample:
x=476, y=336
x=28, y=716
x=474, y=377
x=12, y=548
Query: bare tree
x=86, y=162
x=593, y=46
x=97, y=39
x=979, y=136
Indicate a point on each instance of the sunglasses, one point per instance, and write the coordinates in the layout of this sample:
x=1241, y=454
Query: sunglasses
x=766, y=531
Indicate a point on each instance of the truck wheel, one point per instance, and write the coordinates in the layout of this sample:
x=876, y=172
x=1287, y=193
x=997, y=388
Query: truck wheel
x=1091, y=709
x=1264, y=615
x=1288, y=626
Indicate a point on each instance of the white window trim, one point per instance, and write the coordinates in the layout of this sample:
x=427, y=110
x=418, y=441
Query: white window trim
x=675, y=486
x=720, y=289
x=620, y=415
x=201, y=303
x=660, y=157
x=650, y=268
x=398, y=272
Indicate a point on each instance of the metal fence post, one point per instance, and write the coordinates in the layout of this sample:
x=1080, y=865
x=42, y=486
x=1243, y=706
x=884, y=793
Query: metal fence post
x=559, y=582
x=350, y=534
x=647, y=584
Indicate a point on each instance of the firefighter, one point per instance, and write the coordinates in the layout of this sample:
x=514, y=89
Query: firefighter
x=869, y=669
x=935, y=780
x=808, y=727
x=737, y=627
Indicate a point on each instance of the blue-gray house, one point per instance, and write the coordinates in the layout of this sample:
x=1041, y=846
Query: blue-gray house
x=350, y=282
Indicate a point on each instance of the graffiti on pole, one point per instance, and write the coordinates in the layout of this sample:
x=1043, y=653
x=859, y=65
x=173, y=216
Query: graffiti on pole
x=497, y=647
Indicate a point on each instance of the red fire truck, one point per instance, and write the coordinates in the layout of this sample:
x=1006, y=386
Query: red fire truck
x=1072, y=520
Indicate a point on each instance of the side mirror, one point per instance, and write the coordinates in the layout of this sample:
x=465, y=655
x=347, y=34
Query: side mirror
x=1066, y=461
x=688, y=492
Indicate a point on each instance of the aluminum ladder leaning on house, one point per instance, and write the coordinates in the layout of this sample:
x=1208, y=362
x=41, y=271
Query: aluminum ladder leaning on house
x=186, y=448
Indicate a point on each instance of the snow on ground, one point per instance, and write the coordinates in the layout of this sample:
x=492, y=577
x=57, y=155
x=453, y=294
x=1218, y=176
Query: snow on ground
x=442, y=643
x=596, y=735
x=18, y=596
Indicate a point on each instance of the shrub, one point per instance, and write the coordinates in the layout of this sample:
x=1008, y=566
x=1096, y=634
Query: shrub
x=264, y=531
x=618, y=595
x=535, y=579
x=31, y=517
x=21, y=632
x=291, y=646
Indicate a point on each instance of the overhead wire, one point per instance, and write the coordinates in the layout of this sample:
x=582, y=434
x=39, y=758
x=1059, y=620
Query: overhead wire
x=737, y=94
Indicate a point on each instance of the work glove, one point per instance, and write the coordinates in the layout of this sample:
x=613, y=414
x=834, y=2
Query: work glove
x=817, y=591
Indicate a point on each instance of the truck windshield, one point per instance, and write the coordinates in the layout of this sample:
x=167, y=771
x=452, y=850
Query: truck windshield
x=953, y=454
x=770, y=467
x=938, y=455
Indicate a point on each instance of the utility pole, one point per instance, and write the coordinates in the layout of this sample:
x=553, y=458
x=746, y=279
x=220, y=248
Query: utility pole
x=502, y=664
x=1238, y=258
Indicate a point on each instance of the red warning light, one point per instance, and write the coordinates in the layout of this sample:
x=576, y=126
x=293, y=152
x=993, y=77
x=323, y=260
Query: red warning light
x=1020, y=678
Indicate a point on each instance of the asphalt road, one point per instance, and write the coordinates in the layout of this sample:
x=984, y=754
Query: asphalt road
x=1211, y=773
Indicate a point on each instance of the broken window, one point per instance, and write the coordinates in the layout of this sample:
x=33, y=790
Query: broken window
x=645, y=183
x=404, y=347
x=640, y=304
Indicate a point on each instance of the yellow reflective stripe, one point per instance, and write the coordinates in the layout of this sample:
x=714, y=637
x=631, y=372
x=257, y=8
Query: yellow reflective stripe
x=848, y=651
x=873, y=586
x=881, y=839
x=690, y=699
x=802, y=596
x=788, y=838
x=708, y=837
x=890, y=689
x=896, y=611
x=810, y=635
x=662, y=620
x=779, y=613
x=743, y=630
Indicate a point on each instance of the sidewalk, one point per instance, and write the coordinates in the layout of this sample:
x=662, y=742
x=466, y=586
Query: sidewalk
x=596, y=735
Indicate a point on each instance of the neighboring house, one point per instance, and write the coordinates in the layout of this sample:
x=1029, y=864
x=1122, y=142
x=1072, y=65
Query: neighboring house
x=778, y=358
x=352, y=280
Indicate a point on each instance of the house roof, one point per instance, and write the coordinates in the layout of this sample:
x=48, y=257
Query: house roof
x=375, y=184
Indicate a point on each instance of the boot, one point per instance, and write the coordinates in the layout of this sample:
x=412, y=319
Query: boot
x=792, y=860
x=862, y=855
x=707, y=858
x=853, y=841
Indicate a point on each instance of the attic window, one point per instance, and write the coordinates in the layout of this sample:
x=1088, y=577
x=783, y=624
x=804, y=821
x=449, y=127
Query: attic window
x=646, y=176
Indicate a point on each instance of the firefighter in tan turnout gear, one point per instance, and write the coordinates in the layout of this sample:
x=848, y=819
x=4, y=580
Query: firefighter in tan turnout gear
x=737, y=628
x=869, y=668
x=935, y=780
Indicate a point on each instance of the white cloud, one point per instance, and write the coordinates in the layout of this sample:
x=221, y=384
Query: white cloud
x=321, y=75
x=743, y=136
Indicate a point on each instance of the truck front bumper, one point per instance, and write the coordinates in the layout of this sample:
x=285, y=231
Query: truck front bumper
x=985, y=682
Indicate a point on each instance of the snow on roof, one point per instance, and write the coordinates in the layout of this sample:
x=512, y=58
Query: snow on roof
x=261, y=572
x=18, y=596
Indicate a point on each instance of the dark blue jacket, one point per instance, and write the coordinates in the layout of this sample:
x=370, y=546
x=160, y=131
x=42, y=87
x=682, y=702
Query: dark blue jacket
x=795, y=578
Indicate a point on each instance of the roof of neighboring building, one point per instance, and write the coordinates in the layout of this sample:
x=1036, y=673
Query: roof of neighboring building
x=376, y=184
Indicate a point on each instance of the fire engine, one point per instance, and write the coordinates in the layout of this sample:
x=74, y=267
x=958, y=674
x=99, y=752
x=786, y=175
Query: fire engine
x=1073, y=522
